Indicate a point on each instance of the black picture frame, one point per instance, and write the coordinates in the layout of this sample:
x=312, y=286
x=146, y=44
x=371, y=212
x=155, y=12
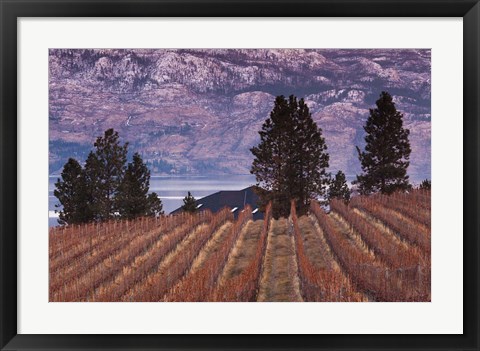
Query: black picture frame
x=11, y=10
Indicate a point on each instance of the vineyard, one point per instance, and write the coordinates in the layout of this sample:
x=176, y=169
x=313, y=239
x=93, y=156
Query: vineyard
x=376, y=248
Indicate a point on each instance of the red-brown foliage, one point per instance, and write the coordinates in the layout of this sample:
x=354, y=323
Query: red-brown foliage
x=86, y=273
x=393, y=253
x=199, y=285
x=409, y=231
x=156, y=285
x=318, y=284
x=244, y=287
x=369, y=274
x=68, y=244
x=412, y=206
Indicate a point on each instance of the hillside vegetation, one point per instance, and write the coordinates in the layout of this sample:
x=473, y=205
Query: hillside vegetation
x=377, y=248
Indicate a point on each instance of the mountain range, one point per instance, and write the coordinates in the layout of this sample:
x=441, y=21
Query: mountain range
x=194, y=112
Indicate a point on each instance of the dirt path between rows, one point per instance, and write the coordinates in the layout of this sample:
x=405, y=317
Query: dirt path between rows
x=279, y=280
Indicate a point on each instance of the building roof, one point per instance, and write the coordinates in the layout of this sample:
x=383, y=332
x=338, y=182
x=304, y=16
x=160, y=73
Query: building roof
x=231, y=199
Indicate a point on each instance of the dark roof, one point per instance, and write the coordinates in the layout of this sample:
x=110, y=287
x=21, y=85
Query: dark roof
x=231, y=199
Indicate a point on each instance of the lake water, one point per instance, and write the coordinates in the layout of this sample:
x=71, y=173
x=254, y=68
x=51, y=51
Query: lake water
x=172, y=190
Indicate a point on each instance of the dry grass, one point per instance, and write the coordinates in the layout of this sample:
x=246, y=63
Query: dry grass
x=411, y=222
x=377, y=248
x=168, y=260
x=325, y=249
x=244, y=250
x=246, y=285
x=178, y=263
x=212, y=246
x=344, y=228
x=385, y=230
x=202, y=281
x=316, y=250
x=140, y=267
x=369, y=274
x=172, y=256
x=416, y=205
x=279, y=281
x=387, y=248
x=318, y=283
x=294, y=267
x=405, y=228
x=395, y=237
x=104, y=266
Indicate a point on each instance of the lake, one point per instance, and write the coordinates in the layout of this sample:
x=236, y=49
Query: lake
x=172, y=190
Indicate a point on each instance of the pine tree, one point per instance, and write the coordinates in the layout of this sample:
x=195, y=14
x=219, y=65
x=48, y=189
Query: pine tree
x=72, y=193
x=338, y=188
x=155, y=206
x=290, y=161
x=189, y=203
x=387, y=150
x=425, y=185
x=104, y=169
x=132, y=199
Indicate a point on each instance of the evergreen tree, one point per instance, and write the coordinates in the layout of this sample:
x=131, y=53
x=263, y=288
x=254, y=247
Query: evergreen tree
x=132, y=199
x=338, y=188
x=290, y=161
x=104, y=169
x=155, y=206
x=189, y=203
x=72, y=193
x=425, y=185
x=387, y=150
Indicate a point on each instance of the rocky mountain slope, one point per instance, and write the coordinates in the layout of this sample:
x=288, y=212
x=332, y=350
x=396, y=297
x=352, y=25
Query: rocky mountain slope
x=199, y=111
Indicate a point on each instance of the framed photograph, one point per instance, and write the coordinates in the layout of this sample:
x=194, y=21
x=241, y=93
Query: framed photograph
x=214, y=174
